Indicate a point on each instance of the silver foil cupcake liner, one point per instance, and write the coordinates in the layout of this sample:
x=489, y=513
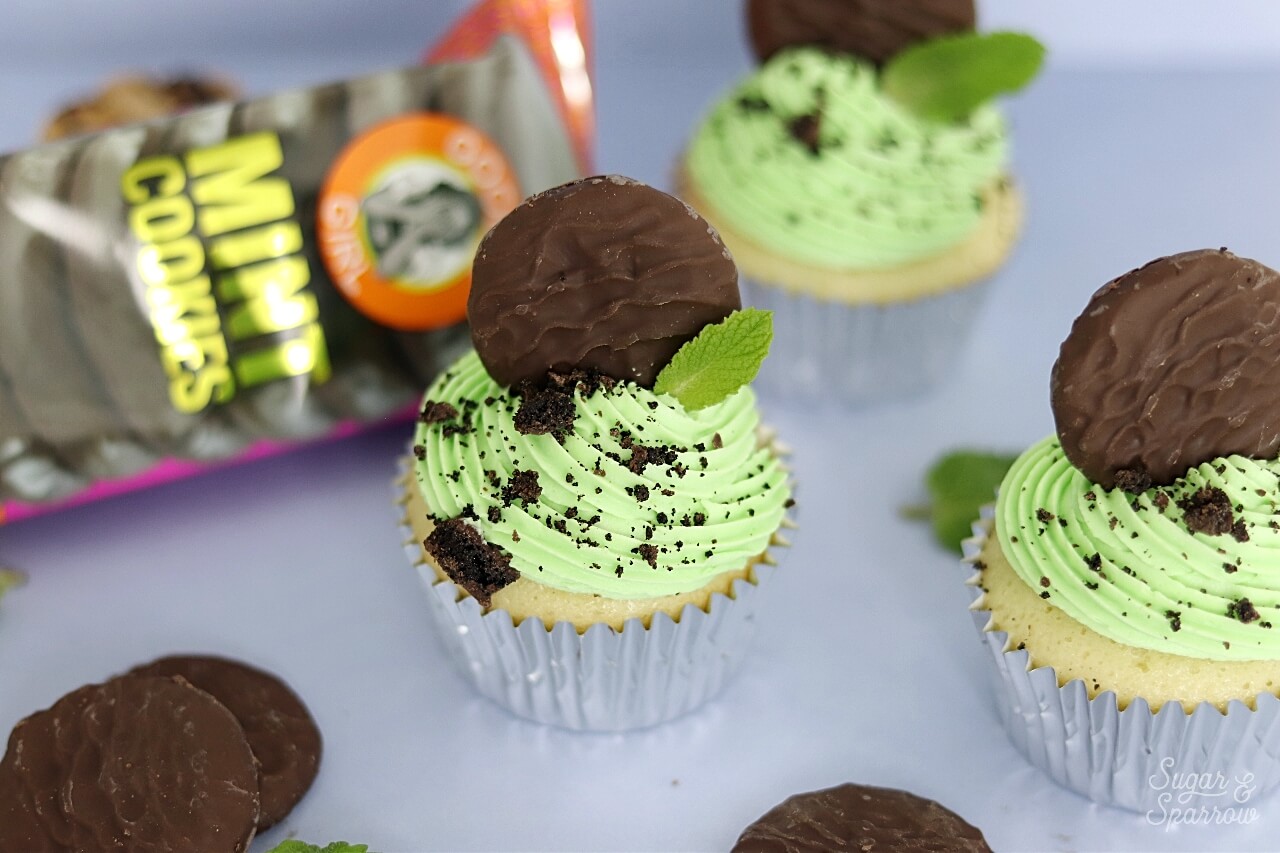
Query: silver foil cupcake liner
x=602, y=680
x=857, y=354
x=1169, y=765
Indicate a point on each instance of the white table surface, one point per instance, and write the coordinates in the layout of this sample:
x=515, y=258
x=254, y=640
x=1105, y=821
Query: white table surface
x=867, y=667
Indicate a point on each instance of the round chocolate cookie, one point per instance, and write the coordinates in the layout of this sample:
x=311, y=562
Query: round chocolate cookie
x=281, y=732
x=861, y=818
x=139, y=764
x=872, y=29
x=603, y=274
x=1169, y=366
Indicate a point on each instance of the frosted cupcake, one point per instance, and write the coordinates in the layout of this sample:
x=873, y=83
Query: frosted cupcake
x=591, y=495
x=1129, y=579
x=864, y=203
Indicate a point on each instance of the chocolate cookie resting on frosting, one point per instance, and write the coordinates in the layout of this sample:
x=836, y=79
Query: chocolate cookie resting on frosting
x=861, y=818
x=872, y=29
x=604, y=274
x=1171, y=365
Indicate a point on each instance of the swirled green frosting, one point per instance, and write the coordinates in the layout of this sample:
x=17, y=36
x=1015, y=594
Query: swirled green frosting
x=642, y=499
x=809, y=159
x=1190, y=569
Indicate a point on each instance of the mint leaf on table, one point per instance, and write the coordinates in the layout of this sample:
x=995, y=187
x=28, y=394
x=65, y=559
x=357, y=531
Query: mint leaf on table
x=293, y=846
x=720, y=360
x=959, y=484
x=10, y=578
x=947, y=78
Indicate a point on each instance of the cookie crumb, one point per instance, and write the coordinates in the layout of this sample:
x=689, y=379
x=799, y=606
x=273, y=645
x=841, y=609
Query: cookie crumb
x=434, y=413
x=522, y=486
x=1208, y=511
x=545, y=412
x=1135, y=481
x=1243, y=610
x=469, y=561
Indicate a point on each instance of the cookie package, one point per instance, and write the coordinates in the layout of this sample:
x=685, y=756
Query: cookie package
x=235, y=279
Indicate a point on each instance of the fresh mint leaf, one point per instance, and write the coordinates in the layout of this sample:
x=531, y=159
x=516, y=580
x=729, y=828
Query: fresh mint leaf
x=720, y=360
x=959, y=483
x=10, y=578
x=947, y=78
x=294, y=846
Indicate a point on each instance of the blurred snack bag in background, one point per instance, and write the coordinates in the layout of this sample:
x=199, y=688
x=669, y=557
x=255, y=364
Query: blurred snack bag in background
x=225, y=283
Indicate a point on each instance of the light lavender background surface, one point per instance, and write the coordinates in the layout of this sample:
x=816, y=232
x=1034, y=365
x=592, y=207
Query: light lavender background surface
x=1155, y=130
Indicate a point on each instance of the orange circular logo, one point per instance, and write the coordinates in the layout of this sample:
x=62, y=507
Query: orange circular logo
x=401, y=213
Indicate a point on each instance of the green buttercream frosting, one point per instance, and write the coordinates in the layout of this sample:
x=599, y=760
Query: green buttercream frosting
x=1134, y=570
x=603, y=523
x=880, y=187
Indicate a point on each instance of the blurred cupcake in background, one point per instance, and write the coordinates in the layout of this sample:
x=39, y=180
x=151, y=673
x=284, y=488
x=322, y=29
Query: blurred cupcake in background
x=860, y=178
x=134, y=98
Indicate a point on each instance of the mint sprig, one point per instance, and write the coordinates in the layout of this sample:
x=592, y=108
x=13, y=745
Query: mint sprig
x=959, y=483
x=10, y=578
x=295, y=846
x=720, y=360
x=947, y=78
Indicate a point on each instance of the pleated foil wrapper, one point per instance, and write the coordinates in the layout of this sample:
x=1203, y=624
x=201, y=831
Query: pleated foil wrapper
x=602, y=680
x=861, y=354
x=1163, y=764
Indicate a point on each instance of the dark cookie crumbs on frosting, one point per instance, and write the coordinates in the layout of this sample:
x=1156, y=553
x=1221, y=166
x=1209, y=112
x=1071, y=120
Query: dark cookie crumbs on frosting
x=1208, y=511
x=472, y=563
x=1243, y=610
x=1135, y=481
x=523, y=486
x=1044, y=516
x=648, y=553
x=1175, y=619
x=585, y=382
x=434, y=413
x=546, y=412
x=805, y=129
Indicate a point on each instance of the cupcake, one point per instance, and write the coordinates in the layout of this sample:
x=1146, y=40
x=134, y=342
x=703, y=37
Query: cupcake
x=1128, y=578
x=860, y=177
x=591, y=497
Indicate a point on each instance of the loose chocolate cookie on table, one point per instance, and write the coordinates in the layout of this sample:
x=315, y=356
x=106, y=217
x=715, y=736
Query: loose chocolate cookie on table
x=139, y=764
x=873, y=29
x=860, y=818
x=1171, y=365
x=281, y=732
